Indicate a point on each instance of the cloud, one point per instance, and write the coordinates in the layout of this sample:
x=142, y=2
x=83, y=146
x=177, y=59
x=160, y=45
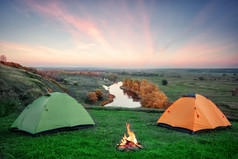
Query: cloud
x=77, y=26
x=120, y=35
x=38, y=55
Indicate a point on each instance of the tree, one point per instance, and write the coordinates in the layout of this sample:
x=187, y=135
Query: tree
x=99, y=93
x=113, y=77
x=92, y=97
x=149, y=93
x=201, y=78
x=164, y=82
x=3, y=58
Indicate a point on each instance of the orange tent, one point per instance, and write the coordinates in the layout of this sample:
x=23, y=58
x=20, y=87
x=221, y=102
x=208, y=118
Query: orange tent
x=193, y=113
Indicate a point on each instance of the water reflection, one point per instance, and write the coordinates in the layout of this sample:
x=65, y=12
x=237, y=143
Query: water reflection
x=131, y=95
x=122, y=98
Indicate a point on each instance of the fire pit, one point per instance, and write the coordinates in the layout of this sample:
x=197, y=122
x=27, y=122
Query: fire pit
x=129, y=143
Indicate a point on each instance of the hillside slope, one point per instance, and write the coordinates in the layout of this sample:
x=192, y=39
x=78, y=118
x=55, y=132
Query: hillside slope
x=19, y=87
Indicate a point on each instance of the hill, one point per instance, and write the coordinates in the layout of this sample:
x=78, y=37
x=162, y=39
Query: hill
x=19, y=87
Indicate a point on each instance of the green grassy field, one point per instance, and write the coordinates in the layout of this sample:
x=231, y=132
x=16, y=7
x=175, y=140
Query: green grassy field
x=101, y=140
x=80, y=85
x=216, y=85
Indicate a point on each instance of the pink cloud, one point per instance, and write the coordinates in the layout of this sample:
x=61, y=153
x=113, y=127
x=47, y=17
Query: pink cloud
x=122, y=40
x=74, y=24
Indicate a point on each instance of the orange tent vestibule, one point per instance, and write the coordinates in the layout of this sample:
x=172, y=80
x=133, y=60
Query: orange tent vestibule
x=193, y=113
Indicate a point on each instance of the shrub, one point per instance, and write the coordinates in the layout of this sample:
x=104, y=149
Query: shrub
x=99, y=93
x=164, y=82
x=110, y=98
x=3, y=58
x=113, y=77
x=75, y=83
x=201, y=78
x=92, y=97
x=65, y=89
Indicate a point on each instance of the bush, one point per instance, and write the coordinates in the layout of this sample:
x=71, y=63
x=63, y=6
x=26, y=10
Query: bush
x=65, y=89
x=75, y=83
x=99, y=93
x=92, y=97
x=110, y=98
x=113, y=77
x=3, y=58
x=164, y=82
x=201, y=78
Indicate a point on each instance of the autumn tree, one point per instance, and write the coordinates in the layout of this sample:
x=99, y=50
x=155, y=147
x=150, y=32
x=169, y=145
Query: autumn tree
x=92, y=97
x=149, y=93
x=135, y=86
x=99, y=93
x=127, y=83
x=3, y=58
x=113, y=77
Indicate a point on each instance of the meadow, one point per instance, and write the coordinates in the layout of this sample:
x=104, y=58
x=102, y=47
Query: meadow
x=215, y=84
x=101, y=141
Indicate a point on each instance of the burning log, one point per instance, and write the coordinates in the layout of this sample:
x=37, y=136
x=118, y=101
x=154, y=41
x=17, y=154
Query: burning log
x=129, y=143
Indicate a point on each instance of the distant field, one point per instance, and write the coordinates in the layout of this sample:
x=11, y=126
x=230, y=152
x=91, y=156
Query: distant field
x=80, y=85
x=101, y=140
x=215, y=85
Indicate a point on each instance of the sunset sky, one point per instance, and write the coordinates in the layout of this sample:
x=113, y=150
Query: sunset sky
x=120, y=33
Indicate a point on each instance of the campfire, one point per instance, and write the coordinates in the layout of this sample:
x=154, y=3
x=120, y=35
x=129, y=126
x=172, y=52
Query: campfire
x=129, y=143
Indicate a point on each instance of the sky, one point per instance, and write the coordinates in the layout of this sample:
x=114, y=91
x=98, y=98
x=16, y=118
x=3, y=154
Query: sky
x=120, y=33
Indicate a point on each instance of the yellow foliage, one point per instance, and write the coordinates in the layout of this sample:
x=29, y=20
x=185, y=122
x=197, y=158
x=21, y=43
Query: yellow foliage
x=92, y=97
x=151, y=96
x=99, y=93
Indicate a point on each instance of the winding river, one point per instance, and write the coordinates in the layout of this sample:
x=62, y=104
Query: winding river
x=122, y=98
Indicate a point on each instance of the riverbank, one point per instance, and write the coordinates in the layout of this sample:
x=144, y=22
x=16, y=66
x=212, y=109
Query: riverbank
x=121, y=98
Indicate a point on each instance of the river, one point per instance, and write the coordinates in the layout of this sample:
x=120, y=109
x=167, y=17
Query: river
x=122, y=98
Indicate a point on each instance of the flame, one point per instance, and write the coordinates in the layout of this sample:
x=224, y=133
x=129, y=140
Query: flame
x=131, y=137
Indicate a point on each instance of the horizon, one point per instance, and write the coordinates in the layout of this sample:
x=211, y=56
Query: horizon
x=120, y=34
x=118, y=68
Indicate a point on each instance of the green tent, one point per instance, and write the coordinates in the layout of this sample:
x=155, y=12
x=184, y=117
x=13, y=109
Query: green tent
x=54, y=111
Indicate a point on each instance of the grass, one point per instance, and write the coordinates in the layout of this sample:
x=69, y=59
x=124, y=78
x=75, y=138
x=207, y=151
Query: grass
x=19, y=87
x=79, y=86
x=182, y=82
x=101, y=140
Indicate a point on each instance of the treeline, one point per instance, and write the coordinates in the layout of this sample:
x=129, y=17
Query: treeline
x=55, y=74
x=146, y=74
x=91, y=74
x=149, y=93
